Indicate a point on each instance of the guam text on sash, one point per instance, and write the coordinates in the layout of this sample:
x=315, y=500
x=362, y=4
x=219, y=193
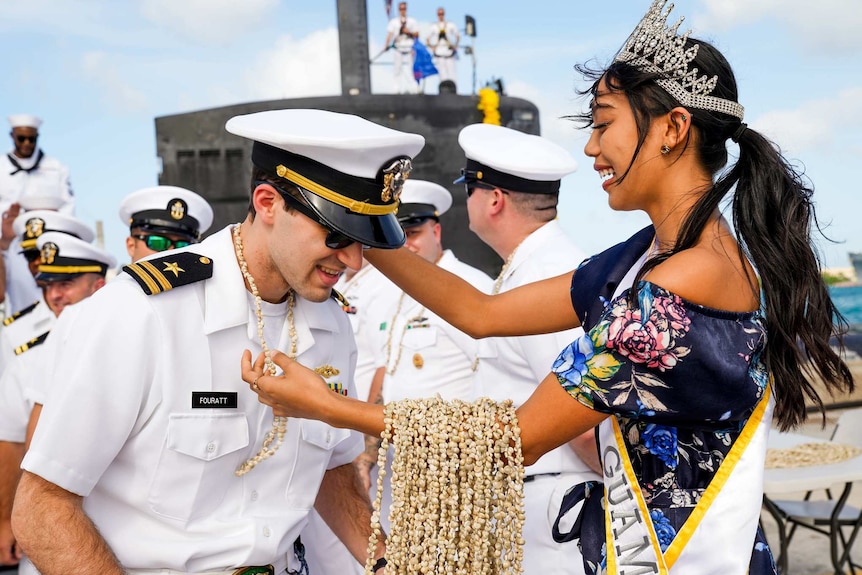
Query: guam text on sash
x=727, y=512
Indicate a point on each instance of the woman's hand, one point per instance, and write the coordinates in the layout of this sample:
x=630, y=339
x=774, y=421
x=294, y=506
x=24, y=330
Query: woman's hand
x=298, y=392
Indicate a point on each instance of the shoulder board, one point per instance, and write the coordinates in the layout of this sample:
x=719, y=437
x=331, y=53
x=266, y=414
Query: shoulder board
x=340, y=299
x=39, y=340
x=169, y=271
x=20, y=313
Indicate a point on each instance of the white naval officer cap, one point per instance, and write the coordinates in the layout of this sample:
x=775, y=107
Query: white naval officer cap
x=65, y=257
x=349, y=171
x=504, y=158
x=29, y=226
x=421, y=200
x=167, y=209
x=24, y=121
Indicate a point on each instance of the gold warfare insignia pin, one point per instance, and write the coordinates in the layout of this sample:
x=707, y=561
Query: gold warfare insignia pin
x=49, y=252
x=34, y=227
x=326, y=371
x=394, y=177
x=173, y=267
x=178, y=209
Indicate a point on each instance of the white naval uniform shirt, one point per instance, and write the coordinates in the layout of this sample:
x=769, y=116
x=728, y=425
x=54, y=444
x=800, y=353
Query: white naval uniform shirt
x=22, y=330
x=443, y=47
x=403, y=42
x=16, y=401
x=157, y=476
x=513, y=367
x=50, y=177
x=21, y=288
x=361, y=291
x=434, y=356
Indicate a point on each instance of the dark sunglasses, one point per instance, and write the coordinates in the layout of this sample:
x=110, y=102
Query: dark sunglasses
x=471, y=187
x=161, y=243
x=335, y=240
x=21, y=139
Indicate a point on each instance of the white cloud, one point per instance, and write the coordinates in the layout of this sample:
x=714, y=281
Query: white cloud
x=294, y=68
x=818, y=125
x=210, y=21
x=824, y=26
x=105, y=73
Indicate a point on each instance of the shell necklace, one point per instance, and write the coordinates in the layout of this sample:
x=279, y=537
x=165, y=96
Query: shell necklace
x=275, y=436
x=498, y=283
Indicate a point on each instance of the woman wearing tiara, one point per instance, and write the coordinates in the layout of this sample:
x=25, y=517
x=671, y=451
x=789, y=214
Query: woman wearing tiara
x=694, y=335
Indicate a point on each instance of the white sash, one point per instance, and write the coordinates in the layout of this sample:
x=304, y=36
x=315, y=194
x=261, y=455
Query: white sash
x=718, y=536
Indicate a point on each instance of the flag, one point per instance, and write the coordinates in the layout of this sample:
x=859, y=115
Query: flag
x=423, y=65
x=388, y=4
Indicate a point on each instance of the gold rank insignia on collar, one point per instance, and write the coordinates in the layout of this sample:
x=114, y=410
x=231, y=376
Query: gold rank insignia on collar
x=20, y=313
x=39, y=340
x=174, y=269
x=342, y=301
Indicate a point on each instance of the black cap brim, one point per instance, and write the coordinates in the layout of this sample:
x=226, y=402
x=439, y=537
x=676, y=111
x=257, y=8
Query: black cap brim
x=373, y=231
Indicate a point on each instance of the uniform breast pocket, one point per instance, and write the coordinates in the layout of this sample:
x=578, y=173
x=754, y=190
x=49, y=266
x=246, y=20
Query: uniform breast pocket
x=317, y=440
x=420, y=337
x=199, y=456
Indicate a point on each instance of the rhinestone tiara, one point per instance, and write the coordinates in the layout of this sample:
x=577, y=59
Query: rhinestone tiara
x=658, y=48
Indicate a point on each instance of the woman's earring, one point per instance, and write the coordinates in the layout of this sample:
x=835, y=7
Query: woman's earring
x=665, y=150
x=684, y=118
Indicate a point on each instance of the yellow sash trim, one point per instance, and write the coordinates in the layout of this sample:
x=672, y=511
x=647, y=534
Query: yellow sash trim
x=69, y=269
x=636, y=489
x=354, y=206
x=719, y=479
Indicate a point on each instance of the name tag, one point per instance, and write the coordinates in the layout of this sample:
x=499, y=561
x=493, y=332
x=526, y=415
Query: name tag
x=214, y=399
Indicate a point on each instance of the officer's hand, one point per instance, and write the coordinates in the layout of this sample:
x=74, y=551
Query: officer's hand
x=298, y=392
x=7, y=232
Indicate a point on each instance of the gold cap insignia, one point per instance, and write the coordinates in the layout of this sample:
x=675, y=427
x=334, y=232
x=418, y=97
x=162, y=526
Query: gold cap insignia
x=34, y=228
x=394, y=177
x=178, y=209
x=49, y=252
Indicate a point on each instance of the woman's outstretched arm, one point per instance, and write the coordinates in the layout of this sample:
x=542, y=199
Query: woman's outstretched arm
x=548, y=419
x=540, y=307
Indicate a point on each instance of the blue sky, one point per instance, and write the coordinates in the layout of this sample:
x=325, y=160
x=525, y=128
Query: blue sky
x=98, y=72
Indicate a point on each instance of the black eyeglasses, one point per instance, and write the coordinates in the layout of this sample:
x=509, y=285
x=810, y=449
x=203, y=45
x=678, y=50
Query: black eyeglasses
x=335, y=240
x=22, y=138
x=161, y=243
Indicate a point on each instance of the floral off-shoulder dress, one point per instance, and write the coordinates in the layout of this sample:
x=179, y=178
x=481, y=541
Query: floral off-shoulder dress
x=682, y=379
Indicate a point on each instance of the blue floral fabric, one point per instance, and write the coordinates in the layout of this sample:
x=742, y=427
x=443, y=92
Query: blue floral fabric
x=682, y=380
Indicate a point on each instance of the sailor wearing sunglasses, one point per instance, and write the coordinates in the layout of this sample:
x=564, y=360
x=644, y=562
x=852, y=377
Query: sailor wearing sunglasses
x=151, y=451
x=163, y=218
x=26, y=168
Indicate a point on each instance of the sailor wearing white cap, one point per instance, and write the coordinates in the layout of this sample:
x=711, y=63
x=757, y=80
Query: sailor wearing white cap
x=27, y=170
x=419, y=354
x=35, y=318
x=162, y=218
x=151, y=375
x=72, y=270
x=512, y=182
x=21, y=291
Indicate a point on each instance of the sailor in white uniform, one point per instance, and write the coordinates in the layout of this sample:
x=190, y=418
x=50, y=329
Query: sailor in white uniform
x=419, y=354
x=75, y=269
x=512, y=181
x=37, y=318
x=443, y=41
x=26, y=168
x=192, y=474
